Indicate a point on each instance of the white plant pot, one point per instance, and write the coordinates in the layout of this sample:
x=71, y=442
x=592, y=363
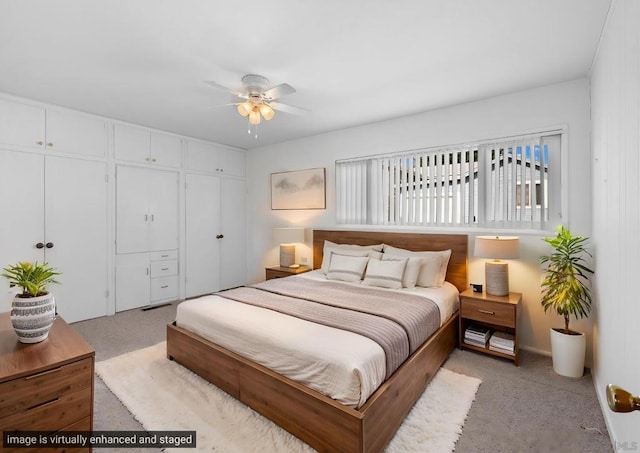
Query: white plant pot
x=567, y=353
x=32, y=317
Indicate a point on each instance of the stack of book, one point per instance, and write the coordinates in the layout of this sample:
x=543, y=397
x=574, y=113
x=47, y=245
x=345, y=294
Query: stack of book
x=502, y=342
x=477, y=335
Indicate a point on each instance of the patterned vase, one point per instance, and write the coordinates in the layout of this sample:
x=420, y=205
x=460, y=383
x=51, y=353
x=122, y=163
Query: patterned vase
x=32, y=317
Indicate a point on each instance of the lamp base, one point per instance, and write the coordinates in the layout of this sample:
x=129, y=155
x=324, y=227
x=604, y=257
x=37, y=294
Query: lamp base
x=496, y=274
x=287, y=255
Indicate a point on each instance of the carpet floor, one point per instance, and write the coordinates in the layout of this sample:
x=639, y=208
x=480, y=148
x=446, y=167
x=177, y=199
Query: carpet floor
x=147, y=383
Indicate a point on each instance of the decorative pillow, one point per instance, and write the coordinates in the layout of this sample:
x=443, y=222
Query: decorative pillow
x=387, y=274
x=434, y=266
x=344, y=249
x=411, y=271
x=346, y=268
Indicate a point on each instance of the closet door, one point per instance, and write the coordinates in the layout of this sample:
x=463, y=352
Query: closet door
x=21, y=213
x=132, y=210
x=76, y=235
x=202, y=226
x=21, y=125
x=163, y=209
x=233, y=245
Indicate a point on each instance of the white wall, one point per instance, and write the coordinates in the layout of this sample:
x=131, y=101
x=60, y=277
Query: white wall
x=565, y=104
x=615, y=91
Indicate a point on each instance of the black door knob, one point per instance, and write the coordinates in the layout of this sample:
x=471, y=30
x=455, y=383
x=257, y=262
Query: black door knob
x=49, y=245
x=39, y=245
x=219, y=236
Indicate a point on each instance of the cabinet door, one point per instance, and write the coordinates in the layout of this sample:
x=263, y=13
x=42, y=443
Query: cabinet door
x=202, y=157
x=233, y=251
x=131, y=144
x=132, y=210
x=76, y=228
x=77, y=134
x=163, y=209
x=166, y=150
x=132, y=282
x=21, y=212
x=202, y=208
x=232, y=162
x=21, y=125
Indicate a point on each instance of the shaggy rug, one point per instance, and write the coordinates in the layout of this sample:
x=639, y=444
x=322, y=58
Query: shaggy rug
x=163, y=395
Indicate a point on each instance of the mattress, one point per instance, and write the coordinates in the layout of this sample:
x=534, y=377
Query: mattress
x=345, y=366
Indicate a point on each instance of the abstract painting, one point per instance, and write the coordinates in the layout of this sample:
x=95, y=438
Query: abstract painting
x=300, y=189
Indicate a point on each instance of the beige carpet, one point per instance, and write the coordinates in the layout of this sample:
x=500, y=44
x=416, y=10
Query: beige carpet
x=163, y=395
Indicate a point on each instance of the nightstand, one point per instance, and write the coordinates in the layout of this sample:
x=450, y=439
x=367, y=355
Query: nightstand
x=279, y=271
x=498, y=313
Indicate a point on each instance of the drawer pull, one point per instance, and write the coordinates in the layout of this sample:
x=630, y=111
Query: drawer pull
x=164, y=256
x=487, y=312
x=46, y=403
x=33, y=376
x=165, y=286
x=164, y=269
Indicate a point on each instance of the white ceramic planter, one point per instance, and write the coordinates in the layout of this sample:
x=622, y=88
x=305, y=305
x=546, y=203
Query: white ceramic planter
x=567, y=353
x=32, y=317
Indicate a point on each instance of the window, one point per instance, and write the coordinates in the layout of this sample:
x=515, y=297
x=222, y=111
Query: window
x=465, y=185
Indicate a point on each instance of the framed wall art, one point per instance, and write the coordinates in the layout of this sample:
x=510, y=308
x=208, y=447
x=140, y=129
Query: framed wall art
x=299, y=189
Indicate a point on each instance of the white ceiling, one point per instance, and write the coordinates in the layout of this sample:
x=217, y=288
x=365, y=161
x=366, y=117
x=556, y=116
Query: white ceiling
x=351, y=62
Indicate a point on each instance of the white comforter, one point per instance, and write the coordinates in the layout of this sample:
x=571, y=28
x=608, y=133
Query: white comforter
x=342, y=365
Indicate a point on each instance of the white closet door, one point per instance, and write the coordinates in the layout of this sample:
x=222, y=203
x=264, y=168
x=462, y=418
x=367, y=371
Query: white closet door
x=21, y=125
x=131, y=143
x=233, y=252
x=202, y=226
x=132, y=210
x=166, y=150
x=76, y=235
x=21, y=213
x=163, y=210
x=73, y=133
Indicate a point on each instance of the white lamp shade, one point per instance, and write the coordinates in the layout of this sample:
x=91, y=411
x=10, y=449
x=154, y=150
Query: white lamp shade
x=289, y=235
x=497, y=247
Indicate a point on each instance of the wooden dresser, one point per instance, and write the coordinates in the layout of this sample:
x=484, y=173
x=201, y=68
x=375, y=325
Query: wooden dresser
x=45, y=386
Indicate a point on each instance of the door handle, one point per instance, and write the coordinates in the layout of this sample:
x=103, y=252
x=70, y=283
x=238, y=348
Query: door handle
x=49, y=245
x=219, y=236
x=620, y=400
x=39, y=245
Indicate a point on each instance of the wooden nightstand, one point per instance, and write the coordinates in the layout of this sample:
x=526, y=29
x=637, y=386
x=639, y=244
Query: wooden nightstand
x=46, y=386
x=279, y=271
x=499, y=313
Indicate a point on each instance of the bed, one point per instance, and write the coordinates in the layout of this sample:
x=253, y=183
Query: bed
x=320, y=421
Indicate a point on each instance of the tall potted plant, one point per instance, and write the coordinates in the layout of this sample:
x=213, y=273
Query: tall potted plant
x=33, y=310
x=565, y=289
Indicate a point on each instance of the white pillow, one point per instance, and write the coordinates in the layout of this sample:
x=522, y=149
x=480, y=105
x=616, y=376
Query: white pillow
x=387, y=274
x=434, y=266
x=345, y=249
x=346, y=268
x=411, y=271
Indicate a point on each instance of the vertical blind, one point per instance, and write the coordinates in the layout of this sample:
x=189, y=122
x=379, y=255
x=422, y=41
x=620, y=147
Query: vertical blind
x=510, y=183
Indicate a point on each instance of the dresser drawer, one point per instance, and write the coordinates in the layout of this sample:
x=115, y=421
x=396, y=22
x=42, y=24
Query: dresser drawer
x=165, y=255
x=26, y=393
x=164, y=288
x=164, y=268
x=81, y=425
x=489, y=312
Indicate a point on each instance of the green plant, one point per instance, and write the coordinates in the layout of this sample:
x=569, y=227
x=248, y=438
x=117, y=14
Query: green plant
x=33, y=278
x=565, y=286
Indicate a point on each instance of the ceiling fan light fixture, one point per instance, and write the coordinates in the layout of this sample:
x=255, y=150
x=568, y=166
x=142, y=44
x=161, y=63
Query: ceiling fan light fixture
x=244, y=108
x=254, y=116
x=266, y=111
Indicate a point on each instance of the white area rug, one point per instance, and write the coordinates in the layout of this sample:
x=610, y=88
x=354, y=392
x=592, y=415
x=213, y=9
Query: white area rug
x=163, y=395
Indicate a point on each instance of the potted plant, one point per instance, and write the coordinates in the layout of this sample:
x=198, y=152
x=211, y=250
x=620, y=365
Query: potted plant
x=33, y=310
x=565, y=289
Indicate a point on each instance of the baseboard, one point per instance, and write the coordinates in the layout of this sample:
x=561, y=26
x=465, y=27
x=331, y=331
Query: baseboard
x=604, y=408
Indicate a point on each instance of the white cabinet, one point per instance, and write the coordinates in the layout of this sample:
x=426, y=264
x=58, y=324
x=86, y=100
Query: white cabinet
x=61, y=131
x=57, y=212
x=146, y=209
x=211, y=158
x=215, y=233
x=134, y=144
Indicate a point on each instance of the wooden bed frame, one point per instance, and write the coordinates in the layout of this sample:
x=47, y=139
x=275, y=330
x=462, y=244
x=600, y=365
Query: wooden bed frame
x=318, y=420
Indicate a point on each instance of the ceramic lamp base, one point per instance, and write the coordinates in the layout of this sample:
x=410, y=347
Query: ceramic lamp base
x=497, y=278
x=287, y=255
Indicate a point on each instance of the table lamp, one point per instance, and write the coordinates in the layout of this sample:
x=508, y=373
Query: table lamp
x=287, y=237
x=497, y=272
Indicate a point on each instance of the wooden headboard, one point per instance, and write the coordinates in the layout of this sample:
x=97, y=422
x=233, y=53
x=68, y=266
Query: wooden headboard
x=456, y=272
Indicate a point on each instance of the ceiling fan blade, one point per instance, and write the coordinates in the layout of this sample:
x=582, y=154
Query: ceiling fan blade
x=288, y=108
x=222, y=87
x=279, y=91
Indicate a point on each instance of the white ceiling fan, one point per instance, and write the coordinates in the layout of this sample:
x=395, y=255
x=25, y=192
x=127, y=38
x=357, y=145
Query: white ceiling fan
x=256, y=100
